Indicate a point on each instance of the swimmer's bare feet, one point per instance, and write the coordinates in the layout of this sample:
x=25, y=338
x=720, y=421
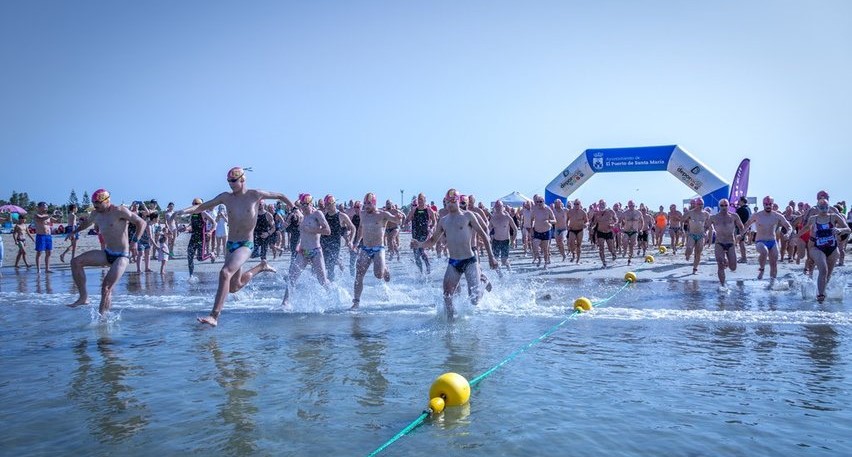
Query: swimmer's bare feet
x=820, y=298
x=760, y=273
x=355, y=303
x=695, y=271
x=265, y=266
x=387, y=275
x=209, y=320
x=80, y=302
x=62, y=257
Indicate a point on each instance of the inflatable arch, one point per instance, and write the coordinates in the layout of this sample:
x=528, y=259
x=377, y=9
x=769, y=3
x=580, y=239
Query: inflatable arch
x=683, y=165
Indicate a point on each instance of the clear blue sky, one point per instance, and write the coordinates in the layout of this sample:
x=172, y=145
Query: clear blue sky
x=159, y=98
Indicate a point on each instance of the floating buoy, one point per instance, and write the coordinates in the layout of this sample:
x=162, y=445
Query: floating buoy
x=436, y=405
x=649, y=258
x=630, y=276
x=452, y=388
x=663, y=250
x=582, y=304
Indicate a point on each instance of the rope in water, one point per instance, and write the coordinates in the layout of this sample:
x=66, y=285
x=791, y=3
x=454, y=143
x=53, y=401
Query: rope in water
x=475, y=381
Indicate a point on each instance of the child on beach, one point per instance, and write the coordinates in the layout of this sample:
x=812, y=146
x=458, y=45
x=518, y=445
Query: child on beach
x=162, y=245
x=20, y=241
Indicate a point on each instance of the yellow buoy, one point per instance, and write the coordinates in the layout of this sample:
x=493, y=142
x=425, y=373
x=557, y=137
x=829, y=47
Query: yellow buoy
x=649, y=258
x=582, y=304
x=630, y=276
x=453, y=388
x=437, y=405
x=663, y=250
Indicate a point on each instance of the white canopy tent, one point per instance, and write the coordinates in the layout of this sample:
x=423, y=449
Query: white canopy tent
x=515, y=199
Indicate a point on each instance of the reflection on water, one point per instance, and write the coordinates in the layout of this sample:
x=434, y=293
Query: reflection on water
x=116, y=414
x=311, y=357
x=234, y=370
x=371, y=348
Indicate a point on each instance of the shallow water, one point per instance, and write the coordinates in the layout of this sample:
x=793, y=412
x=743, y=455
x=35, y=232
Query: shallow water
x=666, y=368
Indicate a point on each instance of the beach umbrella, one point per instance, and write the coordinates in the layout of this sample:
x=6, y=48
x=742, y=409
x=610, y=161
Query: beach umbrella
x=12, y=209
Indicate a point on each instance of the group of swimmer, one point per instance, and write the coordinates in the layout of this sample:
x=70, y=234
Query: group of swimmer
x=460, y=230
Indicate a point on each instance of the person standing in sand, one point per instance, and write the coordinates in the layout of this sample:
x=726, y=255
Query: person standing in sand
x=460, y=228
x=72, y=224
x=767, y=222
x=112, y=221
x=696, y=220
x=371, y=250
x=727, y=225
x=43, y=239
x=312, y=226
x=241, y=204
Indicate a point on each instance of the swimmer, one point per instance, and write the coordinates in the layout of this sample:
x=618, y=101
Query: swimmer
x=526, y=219
x=241, y=204
x=263, y=231
x=578, y=220
x=766, y=222
x=825, y=228
x=542, y=222
x=392, y=230
x=631, y=224
x=560, y=213
x=112, y=221
x=501, y=226
x=460, y=229
x=340, y=227
x=647, y=227
x=726, y=225
x=371, y=250
x=696, y=221
x=422, y=220
x=604, y=220
x=313, y=225
x=661, y=221
x=675, y=219
x=196, y=248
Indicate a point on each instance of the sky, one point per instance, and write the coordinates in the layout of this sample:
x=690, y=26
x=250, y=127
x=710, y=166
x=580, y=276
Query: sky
x=158, y=99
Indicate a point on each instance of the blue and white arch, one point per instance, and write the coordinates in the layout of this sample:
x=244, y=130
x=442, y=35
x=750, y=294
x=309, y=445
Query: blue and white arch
x=674, y=159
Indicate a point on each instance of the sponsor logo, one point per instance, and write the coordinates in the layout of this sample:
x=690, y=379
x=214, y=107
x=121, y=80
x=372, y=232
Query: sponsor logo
x=695, y=170
x=572, y=179
x=687, y=178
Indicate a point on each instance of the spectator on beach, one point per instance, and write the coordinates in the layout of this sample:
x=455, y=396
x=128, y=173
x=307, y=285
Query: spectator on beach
x=241, y=204
x=20, y=233
x=69, y=228
x=112, y=221
x=44, y=237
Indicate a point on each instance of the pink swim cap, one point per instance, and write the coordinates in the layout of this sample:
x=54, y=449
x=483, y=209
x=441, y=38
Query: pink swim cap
x=236, y=173
x=452, y=195
x=100, y=196
x=328, y=200
x=305, y=199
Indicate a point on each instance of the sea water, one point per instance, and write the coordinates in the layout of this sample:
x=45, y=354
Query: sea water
x=662, y=368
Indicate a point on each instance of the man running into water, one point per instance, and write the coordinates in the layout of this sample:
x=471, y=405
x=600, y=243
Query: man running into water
x=339, y=227
x=578, y=220
x=767, y=222
x=422, y=220
x=241, y=204
x=604, y=220
x=727, y=225
x=502, y=226
x=542, y=220
x=371, y=233
x=560, y=213
x=675, y=218
x=631, y=224
x=696, y=222
x=460, y=229
x=311, y=228
x=112, y=221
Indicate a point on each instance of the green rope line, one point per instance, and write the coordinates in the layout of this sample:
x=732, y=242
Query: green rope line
x=417, y=422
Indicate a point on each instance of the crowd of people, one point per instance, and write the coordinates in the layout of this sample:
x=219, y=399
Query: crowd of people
x=239, y=225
